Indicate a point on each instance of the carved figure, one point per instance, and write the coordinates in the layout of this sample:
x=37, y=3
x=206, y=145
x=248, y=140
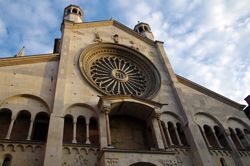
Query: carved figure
x=98, y=37
x=80, y=160
x=116, y=38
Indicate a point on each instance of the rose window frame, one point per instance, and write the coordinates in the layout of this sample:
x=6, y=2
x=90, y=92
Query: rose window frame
x=114, y=69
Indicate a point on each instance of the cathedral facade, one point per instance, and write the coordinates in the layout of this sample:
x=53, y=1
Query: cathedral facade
x=108, y=96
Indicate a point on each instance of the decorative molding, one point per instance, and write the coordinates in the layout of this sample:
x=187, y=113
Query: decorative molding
x=29, y=59
x=210, y=93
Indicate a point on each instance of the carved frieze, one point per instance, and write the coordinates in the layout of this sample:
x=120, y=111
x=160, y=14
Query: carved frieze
x=112, y=161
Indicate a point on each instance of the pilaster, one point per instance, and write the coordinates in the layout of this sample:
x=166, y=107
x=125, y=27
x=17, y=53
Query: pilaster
x=55, y=135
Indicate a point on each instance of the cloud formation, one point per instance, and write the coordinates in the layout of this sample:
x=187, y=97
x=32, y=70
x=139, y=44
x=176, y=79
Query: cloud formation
x=207, y=42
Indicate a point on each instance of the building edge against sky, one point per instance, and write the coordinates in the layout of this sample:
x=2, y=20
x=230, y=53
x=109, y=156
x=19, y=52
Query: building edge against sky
x=109, y=96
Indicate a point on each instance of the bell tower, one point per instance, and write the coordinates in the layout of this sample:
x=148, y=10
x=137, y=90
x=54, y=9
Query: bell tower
x=73, y=13
x=144, y=29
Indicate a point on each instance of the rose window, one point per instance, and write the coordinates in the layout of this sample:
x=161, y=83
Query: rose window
x=118, y=76
x=113, y=69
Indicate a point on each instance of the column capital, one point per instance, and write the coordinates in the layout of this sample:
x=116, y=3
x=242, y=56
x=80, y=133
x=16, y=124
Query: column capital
x=32, y=119
x=157, y=115
x=13, y=118
x=227, y=132
x=106, y=110
x=75, y=122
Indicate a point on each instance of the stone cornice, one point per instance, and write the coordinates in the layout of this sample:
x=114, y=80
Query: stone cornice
x=210, y=93
x=116, y=24
x=118, y=98
x=28, y=59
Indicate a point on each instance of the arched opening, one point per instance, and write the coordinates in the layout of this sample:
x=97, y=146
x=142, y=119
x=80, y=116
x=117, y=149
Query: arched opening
x=142, y=164
x=210, y=136
x=146, y=28
x=93, y=131
x=74, y=10
x=5, y=119
x=21, y=126
x=223, y=162
x=129, y=133
x=80, y=13
x=41, y=125
x=181, y=134
x=68, y=129
x=6, y=161
x=220, y=136
x=242, y=138
x=81, y=130
x=140, y=29
x=68, y=11
x=172, y=133
x=165, y=132
x=234, y=138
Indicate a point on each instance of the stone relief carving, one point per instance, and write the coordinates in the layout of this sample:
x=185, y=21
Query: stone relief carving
x=98, y=37
x=112, y=161
x=116, y=38
x=178, y=158
x=169, y=163
x=80, y=160
x=134, y=47
x=151, y=54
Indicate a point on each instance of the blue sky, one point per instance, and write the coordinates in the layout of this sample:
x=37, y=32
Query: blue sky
x=207, y=42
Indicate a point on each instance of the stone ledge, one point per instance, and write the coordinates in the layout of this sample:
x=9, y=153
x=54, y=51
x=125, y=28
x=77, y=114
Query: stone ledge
x=28, y=59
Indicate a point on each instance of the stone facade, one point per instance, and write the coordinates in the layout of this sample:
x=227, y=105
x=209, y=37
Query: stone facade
x=108, y=96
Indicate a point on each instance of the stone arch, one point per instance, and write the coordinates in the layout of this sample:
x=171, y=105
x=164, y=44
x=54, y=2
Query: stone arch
x=176, y=118
x=21, y=125
x=5, y=156
x=93, y=130
x=66, y=150
x=81, y=109
x=41, y=126
x=81, y=129
x=5, y=119
x=210, y=136
x=210, y=119
x=68, y=128
x=24, y=102
x=237, y=123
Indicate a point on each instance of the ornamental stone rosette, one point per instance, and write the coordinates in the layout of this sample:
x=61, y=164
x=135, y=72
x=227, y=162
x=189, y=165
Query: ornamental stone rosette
x=115, y=69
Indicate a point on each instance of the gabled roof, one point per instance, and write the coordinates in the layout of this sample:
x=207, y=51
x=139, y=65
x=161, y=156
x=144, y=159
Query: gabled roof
x=210, y=93
x=112, y=23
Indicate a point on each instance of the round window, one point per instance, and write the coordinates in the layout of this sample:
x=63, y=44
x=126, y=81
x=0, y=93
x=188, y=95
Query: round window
x=118, y=70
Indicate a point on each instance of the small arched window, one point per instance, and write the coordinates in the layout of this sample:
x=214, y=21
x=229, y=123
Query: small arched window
x=68, y=11
x=74, y=10
x=6, y=161
x=80, y=13
x=140, y=29
x=146, y=28
x=223, y=162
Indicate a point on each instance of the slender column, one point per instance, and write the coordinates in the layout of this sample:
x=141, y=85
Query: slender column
x=168, y=135
x=74, y=132
x=158, y=115
x=32, y=119
x=106, y=111
x=236, y=155
x=87, y=133
x=10, y=127
x=238, y=139
x=178, y=137
x=218, y=142
x=246, y=139
x=205, y=137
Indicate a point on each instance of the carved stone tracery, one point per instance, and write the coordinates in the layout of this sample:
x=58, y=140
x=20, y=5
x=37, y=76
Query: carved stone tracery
x=119, y=71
